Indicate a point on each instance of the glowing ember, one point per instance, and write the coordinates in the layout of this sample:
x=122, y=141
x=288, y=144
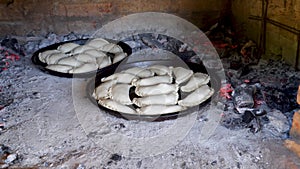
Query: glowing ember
x=6, y=58
x=226, y=90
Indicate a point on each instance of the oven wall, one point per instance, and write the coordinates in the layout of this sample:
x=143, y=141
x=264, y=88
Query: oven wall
x=21, y=17
x=279, y=42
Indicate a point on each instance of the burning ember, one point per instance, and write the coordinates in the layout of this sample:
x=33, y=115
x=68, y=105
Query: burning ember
x=226, y=91
x=254, y=90
x=9, y=53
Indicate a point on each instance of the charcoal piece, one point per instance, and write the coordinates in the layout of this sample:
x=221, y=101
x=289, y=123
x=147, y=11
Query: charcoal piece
x=248, y=116
x=4, y=150
x=243, y=97
x=116, y=157
x=255, y=125
x=278, y=99
x=13, y=45
x=259, y=112
x=10, y=43
x=245, y=70
x=151, y=42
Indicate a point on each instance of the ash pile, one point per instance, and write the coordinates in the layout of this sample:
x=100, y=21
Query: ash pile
x=258, y=94
x=15, y=63
x=15, y=49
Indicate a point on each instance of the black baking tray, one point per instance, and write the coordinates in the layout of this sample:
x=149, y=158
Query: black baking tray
x=214, y=83
x=42, y=66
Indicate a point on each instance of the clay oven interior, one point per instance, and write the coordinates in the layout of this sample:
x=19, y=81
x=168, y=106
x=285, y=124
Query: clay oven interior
x=254, y=123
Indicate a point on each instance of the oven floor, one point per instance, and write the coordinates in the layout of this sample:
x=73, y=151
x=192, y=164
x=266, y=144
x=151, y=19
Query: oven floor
x=45, y=127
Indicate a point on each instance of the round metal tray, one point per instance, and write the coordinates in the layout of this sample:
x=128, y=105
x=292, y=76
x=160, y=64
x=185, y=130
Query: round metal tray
x=97, y=81
x=42, y=66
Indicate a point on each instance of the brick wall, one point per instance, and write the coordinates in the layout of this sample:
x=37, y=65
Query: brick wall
x=280, y=43
x=38, y=17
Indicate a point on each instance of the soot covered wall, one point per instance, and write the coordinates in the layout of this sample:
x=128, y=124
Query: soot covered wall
x=274, y=24
x=21, y=17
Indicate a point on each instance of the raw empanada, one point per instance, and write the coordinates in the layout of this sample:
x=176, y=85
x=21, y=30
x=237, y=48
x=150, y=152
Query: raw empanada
x=160, y=69
x=152, y=80
x=102, y=91
x=103, y=62
x=116, y=106
x=45, y=54
x=120, y=77
x=59, y=68
x=164, y=99
x=195, y=81
x=55, y=57
x=112, y=48
x=83, y=57
x=95, y=53
x=81, y=49
x=119, y=56
x=97, y=43
x=86, y=67
x=120, y=93
x=67, y=47
x=198, y=96
x=140, y=72
x=71, y=61
x=162, y=88
x=181, y=74
x=159, y=109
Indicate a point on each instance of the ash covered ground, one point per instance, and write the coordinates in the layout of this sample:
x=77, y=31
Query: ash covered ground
x=40, y=126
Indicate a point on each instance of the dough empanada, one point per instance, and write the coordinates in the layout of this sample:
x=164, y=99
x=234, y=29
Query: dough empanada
x=152, y=80
x=140, y=72
x=67, y=47
x=120, y=93
x=119, y=56
x=181, y=74
x=162, y=88
x=81, y=49
x=159, y=109
x=86, y=67
x=83, y=57
x=103, y=62
x=195, y=81
x=198, y=96
x=59, y=68
x=112, y=48
x=160, y=69
x=163, y=99
x=116, y=106
x=97, y=43
x=55, y=57
x=95, y=53
x=102, y=91
x=120, y=77
x=71, y=61
x=43, y=55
